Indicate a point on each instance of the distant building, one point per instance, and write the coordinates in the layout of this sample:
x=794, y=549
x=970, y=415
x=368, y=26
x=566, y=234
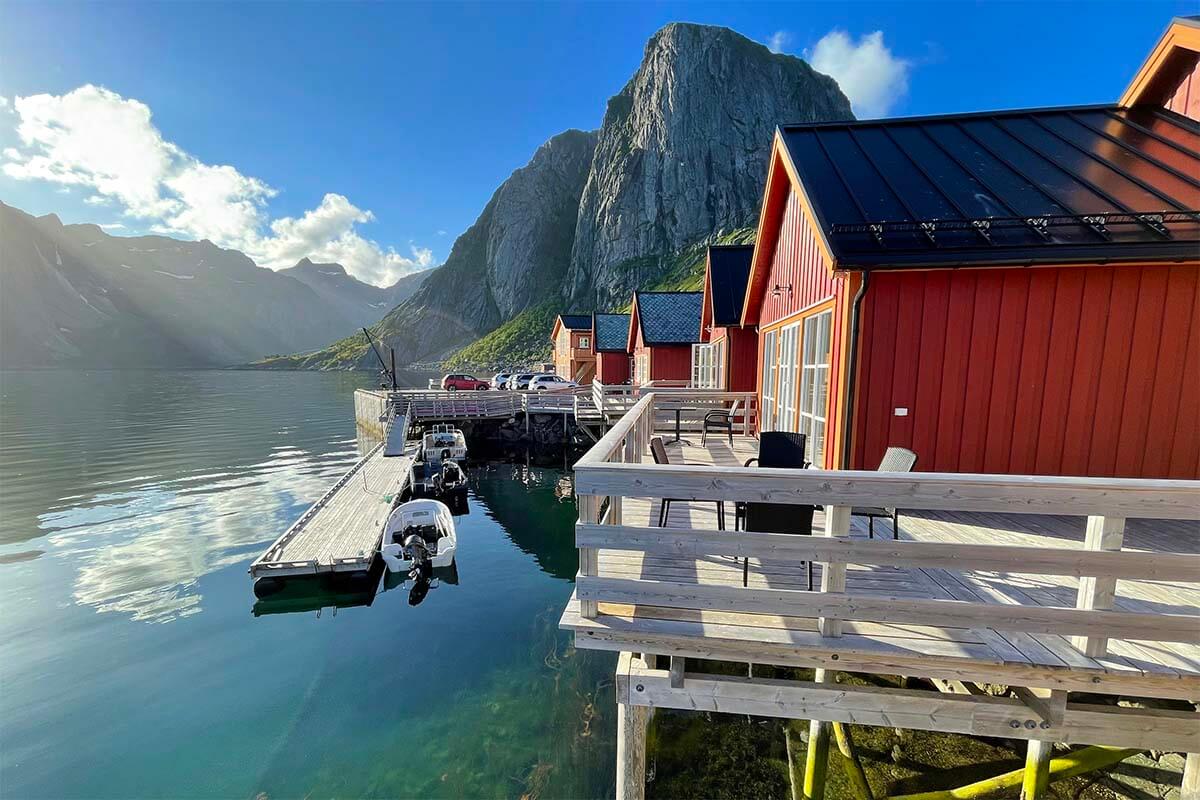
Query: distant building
x=1008, y=292
x=610, y=345
x=573, y=357
x=727, y=357
x=663, y=326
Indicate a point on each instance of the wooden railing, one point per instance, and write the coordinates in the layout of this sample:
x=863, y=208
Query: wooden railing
x=613, y=470
x=614, y=401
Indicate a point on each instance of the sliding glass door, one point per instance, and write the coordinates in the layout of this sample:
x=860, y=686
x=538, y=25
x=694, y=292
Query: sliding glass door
x=814, y=384
x=770, y=370
x=785, y=404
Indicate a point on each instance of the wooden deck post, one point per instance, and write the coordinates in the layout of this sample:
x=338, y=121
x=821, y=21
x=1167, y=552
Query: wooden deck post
x=589, y=560
x=1097, y=593
x=632, y=722
x=1190, y=789
x=816, y=757
x=1037, y=769
x=833, y=574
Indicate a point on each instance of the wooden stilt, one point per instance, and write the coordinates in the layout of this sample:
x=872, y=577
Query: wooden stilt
x=1077, y=762
x=1190, y=790
x=1037, y=769
x=816, y=760
x=787, y=743
x=631, y=751
x=854, y=768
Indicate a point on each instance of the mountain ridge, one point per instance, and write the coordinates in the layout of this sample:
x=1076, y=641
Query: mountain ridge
x=74, y=295
x=678, y=162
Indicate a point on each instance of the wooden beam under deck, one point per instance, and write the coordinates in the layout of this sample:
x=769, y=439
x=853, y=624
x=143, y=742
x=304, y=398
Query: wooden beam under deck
x=1081, y=723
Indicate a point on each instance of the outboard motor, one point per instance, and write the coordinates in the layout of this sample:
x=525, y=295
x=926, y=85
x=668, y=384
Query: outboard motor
x=452, y=476
x=416, y=547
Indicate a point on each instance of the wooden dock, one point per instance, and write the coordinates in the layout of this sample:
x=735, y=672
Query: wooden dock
x=341, y=531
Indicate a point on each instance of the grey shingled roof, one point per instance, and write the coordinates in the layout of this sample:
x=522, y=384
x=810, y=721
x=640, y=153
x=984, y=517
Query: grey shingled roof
x=670, y=317
x=612, y=332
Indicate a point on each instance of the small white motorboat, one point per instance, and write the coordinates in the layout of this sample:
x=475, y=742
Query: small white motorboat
x=417, y=537
x=443, y=442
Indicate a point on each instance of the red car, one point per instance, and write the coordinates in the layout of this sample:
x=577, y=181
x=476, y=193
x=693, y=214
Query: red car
x=453, y=383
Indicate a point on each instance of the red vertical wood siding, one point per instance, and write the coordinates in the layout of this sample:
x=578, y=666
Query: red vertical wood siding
x=1185, y=99
x=797, y=262
x=1058, y=371
x=612, y=367
x=671, y=362
x=742, y=355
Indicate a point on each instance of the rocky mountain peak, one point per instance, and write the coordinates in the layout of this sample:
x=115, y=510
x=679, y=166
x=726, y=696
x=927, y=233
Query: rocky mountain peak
x=682, y=153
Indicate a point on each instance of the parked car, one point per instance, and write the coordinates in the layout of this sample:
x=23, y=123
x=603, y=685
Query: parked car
x=457, y=382
x=520, y=381
x=542, y=383
x=500, y=379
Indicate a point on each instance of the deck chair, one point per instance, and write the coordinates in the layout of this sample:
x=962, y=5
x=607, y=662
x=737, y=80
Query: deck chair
x=720, y=420
x=659, y=451
x=895, y=459
x=777, y=450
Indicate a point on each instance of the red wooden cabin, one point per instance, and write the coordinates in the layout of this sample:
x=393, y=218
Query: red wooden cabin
x=1016, y=292
x=663, y=326
x=726, y=359
x=610, y=344
x=572, y=338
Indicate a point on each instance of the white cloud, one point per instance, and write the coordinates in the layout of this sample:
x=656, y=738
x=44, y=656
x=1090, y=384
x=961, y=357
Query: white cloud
x=96, y=139
x=3, y=101
x=872, y=78
x=112, y=226
x=779, y=41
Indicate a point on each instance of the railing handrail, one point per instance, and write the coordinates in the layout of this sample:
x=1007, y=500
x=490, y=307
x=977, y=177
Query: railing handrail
x=598, y=473
x=615, y=438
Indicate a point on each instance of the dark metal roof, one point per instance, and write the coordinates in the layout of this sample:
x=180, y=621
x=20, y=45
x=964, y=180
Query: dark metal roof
x=576, y=322
x=670, y=317
x=611, y=331
x=1091, y=183
x=729, y=272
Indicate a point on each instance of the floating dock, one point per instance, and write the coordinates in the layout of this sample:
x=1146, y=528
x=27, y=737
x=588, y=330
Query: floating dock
x=341, y=531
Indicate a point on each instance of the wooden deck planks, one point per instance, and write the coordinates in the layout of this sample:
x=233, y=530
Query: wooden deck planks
x=1046, y=531
x=341, y=531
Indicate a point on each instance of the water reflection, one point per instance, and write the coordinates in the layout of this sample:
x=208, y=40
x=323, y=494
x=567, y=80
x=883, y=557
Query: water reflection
x=158, y=496
x=149, y=493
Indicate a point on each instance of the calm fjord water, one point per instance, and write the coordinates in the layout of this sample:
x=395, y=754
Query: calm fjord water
x=131, y=664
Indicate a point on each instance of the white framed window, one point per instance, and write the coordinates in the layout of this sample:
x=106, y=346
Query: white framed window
x=585, y=342
x=814, y=383
x=770, y=372
x=785, y=400
x=641, y=369
x=704, y=367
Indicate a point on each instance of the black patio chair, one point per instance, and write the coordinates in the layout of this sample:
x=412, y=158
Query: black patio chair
x=659, y=451
x=720, y=420
x=777, y=450
x=895, y=459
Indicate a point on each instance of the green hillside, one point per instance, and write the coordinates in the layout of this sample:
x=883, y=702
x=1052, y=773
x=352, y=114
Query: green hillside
x=525, y=339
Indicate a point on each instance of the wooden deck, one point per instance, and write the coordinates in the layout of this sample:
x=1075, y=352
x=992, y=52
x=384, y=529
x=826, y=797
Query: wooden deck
x=703, y=625
x=341, y=531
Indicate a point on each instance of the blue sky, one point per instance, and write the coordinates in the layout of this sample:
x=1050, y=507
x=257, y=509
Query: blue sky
x=412, y=114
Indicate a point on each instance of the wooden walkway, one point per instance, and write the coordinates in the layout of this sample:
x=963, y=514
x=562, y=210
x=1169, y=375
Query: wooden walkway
x=341, y=531
x=1161, y=669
